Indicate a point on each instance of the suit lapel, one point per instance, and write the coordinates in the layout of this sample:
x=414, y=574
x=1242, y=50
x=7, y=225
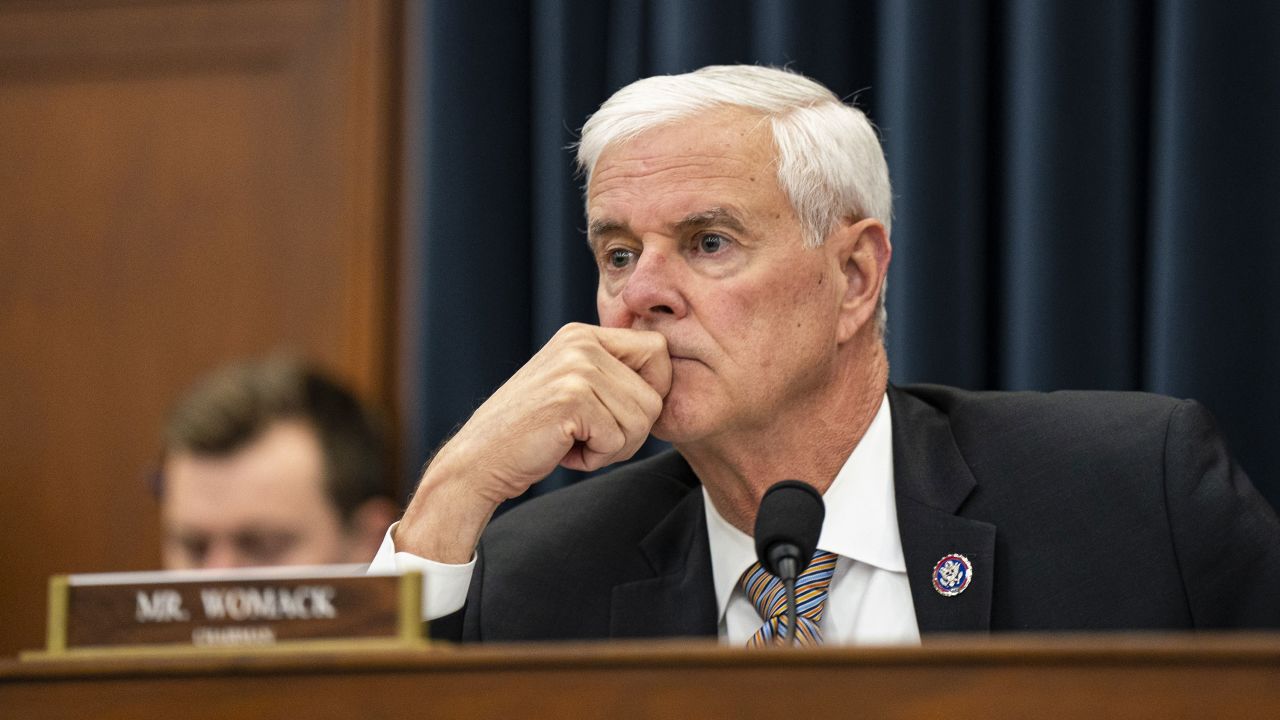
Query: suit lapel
x=679, y=598
x=932, y=481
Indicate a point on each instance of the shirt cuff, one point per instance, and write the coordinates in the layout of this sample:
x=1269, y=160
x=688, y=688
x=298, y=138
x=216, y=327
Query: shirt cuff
x=444, y=586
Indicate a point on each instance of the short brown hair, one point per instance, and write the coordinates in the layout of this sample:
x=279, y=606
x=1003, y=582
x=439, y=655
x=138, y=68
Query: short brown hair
x=236, y=404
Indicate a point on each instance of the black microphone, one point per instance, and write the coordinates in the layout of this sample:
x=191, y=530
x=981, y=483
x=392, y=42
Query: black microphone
x=787, y=529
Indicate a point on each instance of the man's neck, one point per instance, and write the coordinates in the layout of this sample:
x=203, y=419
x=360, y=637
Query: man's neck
x=810, y=442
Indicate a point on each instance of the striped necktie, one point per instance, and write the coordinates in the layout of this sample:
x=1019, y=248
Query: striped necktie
x=769, y=596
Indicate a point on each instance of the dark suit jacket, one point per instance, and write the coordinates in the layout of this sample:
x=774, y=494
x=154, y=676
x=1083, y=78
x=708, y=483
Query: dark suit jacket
x=1079, y=511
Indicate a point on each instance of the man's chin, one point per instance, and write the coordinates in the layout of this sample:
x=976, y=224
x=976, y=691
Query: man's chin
x=678, y=427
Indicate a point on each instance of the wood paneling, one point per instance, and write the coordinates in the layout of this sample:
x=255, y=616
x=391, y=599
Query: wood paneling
x=181, y=184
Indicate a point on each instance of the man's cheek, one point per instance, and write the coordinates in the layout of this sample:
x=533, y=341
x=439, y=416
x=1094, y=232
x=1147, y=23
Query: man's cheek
x=613, y=315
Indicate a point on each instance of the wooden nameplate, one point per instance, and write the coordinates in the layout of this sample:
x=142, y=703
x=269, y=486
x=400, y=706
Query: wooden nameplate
x=334, y=607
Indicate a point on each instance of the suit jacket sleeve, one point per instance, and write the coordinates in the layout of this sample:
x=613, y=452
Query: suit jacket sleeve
x=1226, y=535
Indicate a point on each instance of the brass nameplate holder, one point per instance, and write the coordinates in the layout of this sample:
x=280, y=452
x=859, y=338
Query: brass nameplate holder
x=194, y=612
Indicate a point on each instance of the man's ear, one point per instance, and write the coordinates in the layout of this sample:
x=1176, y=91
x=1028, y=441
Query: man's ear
x=367, y=527
x=862, y=250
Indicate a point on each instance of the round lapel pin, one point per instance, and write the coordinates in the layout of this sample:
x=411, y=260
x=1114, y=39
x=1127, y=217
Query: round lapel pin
x=952, y=575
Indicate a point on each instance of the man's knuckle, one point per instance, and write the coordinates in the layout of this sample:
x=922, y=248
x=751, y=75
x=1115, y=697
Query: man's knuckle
x=574, y=386
x=651, y=404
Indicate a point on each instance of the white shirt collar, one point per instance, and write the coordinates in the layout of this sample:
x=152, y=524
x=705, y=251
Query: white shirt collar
x=861, y=520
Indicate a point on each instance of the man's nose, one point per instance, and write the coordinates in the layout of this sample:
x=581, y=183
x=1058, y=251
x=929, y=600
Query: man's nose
x=654, y=288
x=223, y=555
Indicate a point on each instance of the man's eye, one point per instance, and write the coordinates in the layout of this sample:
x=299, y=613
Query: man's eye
x=195, y=549
x=265, y=548
x=620, y=258
x=710, y=243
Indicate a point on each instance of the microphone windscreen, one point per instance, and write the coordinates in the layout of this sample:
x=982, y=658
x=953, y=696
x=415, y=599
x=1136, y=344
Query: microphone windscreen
x=790, y=512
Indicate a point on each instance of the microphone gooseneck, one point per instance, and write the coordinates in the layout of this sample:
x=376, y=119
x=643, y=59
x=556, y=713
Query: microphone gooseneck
x=787, y=528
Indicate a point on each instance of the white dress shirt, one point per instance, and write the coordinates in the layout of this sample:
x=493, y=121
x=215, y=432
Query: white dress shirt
x=869, y=600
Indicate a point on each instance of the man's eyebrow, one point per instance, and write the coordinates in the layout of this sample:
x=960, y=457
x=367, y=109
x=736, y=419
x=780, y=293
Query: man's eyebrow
x=600, y=228
x=693, y=221
x=713, y=216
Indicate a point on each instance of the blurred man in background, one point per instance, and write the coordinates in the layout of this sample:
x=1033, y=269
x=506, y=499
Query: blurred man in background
x=271, y=463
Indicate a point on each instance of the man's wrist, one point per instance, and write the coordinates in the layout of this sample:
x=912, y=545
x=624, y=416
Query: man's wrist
x=445, y=518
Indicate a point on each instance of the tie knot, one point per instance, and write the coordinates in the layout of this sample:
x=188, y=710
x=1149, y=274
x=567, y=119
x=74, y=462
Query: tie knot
x=768, y=594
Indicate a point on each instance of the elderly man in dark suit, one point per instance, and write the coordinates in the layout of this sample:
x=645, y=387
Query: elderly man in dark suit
x=740, y=221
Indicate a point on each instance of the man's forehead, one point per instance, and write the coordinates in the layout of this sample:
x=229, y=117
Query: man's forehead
x=284, y=464
x=712, y=168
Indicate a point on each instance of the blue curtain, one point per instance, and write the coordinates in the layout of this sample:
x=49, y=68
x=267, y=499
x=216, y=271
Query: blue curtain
x=1087, y=193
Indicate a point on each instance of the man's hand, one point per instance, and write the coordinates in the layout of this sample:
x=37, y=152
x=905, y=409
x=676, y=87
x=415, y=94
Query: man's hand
x=587, y=399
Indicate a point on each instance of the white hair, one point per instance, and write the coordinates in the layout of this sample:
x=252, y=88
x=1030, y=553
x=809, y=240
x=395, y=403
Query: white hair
x=830, y=164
